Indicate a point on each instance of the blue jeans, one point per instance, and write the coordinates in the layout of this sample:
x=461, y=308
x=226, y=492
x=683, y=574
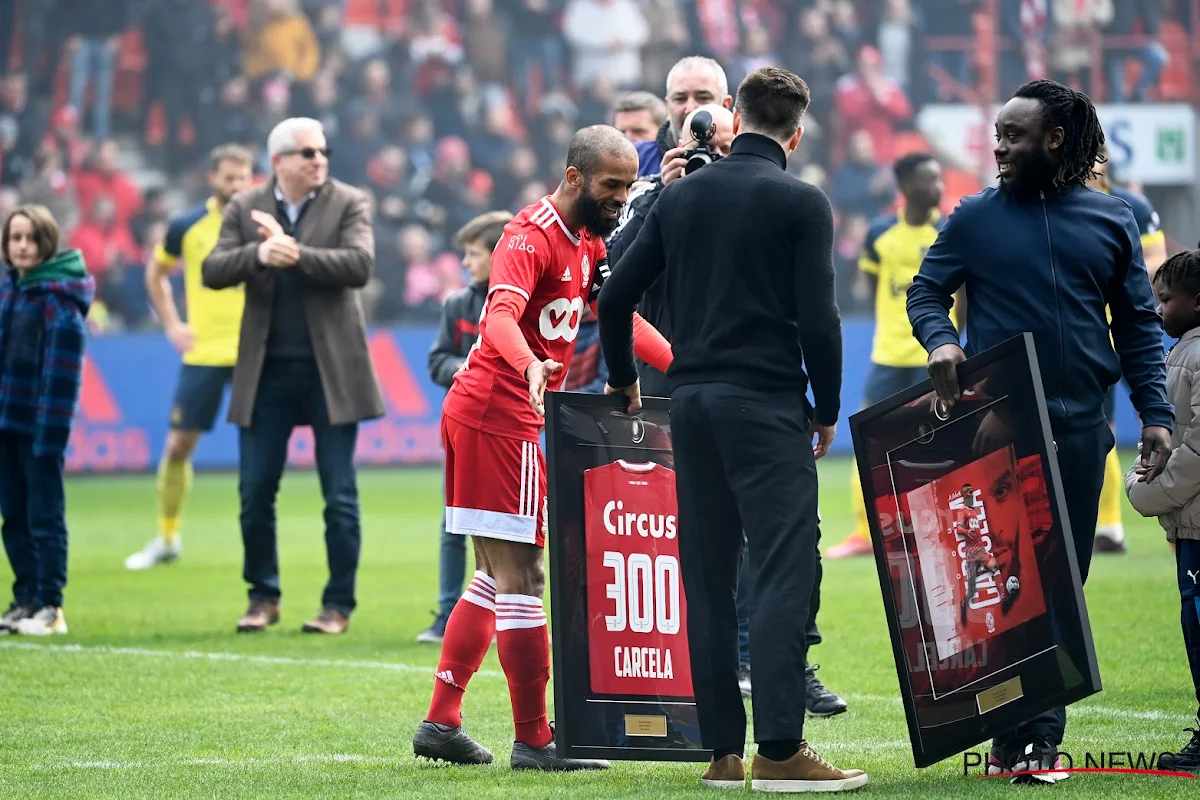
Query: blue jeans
x=289, y=395
x=33, y=506
x=452, y=567
x=1154, y=60
x=94, y=61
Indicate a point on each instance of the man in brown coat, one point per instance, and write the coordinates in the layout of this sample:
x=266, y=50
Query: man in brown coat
x=303, y=246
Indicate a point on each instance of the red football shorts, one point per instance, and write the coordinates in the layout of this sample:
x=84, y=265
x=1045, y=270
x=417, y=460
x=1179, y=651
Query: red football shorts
x=495, y=486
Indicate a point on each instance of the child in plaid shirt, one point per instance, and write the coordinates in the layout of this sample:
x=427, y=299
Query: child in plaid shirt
x=44, y=300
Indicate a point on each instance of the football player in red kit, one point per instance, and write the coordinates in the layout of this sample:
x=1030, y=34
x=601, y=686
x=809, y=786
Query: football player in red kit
x=975, y=555
x=549, y=263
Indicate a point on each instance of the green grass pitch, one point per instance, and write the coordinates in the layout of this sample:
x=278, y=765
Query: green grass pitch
x=152, y=694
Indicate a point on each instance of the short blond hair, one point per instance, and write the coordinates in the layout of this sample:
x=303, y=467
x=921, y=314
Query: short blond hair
x=45, y=229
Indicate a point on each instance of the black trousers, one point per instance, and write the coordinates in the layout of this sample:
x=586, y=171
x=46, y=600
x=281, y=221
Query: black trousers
x=746, y=600
x=1081, y=456
x=289, y=395
x=744, y=462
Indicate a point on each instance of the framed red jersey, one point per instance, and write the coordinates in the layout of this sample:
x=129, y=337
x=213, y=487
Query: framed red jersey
x=637, y=614
x=622, y=665
x=975, y=555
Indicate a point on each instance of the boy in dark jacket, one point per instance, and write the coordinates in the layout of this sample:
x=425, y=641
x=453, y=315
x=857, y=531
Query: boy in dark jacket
x=457, y=333
x=44, y=299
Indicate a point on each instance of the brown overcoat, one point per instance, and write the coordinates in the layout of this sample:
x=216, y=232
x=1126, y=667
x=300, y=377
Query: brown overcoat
x=337, y=257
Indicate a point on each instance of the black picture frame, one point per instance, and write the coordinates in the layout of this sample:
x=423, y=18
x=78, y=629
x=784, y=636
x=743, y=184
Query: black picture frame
x=1055, y=646
x=589, y=724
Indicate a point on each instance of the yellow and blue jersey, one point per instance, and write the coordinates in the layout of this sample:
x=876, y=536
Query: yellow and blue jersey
x=215, y=316
x=1148, y=223
x=893, y=252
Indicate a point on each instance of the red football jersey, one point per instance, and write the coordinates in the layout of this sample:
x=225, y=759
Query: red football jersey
x=966, y=525
x=637, y=615
x=556, y=272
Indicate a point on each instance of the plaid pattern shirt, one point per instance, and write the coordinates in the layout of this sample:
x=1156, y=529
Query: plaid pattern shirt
x=42, y=337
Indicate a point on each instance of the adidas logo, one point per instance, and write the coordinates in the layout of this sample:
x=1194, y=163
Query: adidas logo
x=447, y=676
x=567, y=274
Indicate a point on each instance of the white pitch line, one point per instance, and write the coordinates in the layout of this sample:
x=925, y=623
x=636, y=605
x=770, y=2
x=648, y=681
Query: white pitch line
x=1074, y=710
x=200, y=655
x=318, y=758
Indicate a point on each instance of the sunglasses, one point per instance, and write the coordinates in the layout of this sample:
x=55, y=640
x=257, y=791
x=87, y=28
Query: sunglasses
x=309, y=152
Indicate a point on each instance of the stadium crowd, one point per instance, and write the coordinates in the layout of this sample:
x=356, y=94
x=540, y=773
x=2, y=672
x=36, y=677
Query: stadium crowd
x=443, y=109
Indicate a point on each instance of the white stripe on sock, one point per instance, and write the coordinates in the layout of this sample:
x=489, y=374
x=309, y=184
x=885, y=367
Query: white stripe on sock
x=519, y=611
x=479, y=600
x=485, y=579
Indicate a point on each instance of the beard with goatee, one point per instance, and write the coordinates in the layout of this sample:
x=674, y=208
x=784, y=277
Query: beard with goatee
x=589, y=212
x=1036, y=173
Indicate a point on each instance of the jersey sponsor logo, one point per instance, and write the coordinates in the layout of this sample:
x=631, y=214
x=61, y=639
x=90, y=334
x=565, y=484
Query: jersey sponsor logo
x=619, y=522
x=560, y=319
x=520, y=241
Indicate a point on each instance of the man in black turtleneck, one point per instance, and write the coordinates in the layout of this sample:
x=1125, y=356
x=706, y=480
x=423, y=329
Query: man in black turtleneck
x=747, y=254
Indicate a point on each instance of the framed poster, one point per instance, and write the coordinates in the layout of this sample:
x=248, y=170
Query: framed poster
x=622, y=673
x=975, y=555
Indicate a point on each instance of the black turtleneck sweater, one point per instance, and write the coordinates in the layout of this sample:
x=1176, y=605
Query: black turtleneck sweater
x=747, y=254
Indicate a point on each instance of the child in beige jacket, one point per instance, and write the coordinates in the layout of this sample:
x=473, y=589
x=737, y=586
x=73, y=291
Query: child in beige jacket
x=1174, y=496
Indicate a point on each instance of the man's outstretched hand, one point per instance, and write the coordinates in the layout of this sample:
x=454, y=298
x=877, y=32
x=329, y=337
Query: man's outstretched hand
x=539, y=374
x=633, y=391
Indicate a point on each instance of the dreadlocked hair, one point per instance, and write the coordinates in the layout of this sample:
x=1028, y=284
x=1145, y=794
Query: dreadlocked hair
x=1181, y=271
x=1083, y=138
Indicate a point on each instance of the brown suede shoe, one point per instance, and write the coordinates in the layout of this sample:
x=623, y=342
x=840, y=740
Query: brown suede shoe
x=728, y=773
x=328, y=621
x=262, y=612
x=804, y=772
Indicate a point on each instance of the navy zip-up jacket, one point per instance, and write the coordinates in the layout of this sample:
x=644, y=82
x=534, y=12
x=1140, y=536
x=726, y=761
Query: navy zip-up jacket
x=1051, y=266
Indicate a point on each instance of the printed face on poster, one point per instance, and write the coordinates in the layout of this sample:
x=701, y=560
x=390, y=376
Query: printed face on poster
x=975, y=556
x=622, y=670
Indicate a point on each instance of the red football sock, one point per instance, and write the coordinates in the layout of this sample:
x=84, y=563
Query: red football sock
x=524, y=651
x=468, y=636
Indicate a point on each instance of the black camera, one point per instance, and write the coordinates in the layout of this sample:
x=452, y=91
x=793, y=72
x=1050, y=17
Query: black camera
x=703, y=130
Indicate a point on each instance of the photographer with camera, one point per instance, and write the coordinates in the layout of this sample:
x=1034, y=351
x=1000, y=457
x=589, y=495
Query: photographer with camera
x=708, y=136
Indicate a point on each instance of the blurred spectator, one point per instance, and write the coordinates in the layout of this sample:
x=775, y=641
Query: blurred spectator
x=485, y=45
x=861, y=185
x=281, y=40
x=232, y=120
x=639, y=115
x=429, y=279
x=102, y=177
x=15, y=104
x=870, y=101
x=606, y=37
x=896, y=42
x=106, y=242
x=179, y=37
x=12, y=166
x=1153, y=56
x=536, y=53
x=49, y=185
x=95, y=31
x=668, y=37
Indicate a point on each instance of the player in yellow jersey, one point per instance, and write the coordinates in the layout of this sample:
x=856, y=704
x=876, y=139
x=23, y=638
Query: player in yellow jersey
x=1110, y=532
x=891, y=257
x=208, y=342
